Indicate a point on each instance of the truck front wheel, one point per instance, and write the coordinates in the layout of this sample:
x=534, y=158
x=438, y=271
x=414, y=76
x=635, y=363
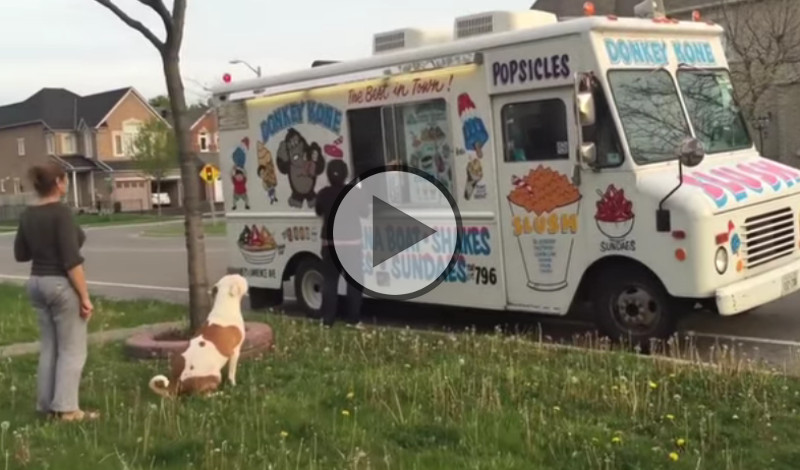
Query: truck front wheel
x=632, y=306
x=308, y=286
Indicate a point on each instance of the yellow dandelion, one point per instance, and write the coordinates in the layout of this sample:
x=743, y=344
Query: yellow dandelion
x=681, y=442
x=345, y=413
x=616, y=439
x=350, y=395
x=284, y=434
x=673, y=456
x=670, y=417
x=653, y=385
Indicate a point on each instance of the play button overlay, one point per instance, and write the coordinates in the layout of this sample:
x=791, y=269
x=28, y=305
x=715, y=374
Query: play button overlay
x=396, y=233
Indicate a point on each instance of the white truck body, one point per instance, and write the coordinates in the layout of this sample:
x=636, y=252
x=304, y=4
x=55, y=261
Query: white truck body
x=540, y=217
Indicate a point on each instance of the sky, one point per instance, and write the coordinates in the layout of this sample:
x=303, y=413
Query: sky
x=81, y=46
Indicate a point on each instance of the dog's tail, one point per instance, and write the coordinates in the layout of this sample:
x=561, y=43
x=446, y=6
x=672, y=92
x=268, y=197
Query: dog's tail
x=160, y=385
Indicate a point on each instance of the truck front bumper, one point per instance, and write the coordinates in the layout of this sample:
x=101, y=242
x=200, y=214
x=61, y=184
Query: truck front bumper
x=758, y=290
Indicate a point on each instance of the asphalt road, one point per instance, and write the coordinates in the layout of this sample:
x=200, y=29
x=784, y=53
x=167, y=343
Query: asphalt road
x=122, y=264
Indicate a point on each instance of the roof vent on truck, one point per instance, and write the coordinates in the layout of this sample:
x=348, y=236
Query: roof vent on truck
x=500, y=21
x=407, y=38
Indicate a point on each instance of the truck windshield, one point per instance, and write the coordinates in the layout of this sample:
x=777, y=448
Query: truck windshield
x=650, y=112
x=715, y=116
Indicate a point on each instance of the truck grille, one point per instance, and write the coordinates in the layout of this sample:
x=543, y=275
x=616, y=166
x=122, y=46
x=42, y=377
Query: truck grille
x=768, y=237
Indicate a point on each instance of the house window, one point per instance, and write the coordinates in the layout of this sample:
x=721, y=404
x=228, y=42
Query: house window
x=119, y=151
x=17, y=187
x=203, y=138
x=68, y=144
x=50, y=141
x=130, y=129
x=535, y=131
x=87, y=144
x=21, y=146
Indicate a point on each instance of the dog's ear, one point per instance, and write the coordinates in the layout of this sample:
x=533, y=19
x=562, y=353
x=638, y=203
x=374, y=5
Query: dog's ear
x=235, y=289
x=214, y=290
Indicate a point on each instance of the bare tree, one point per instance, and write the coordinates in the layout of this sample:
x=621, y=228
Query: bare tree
x=763, y=40
x=169, y=49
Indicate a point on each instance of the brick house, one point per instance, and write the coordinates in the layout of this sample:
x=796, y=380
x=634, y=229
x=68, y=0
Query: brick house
x=205, y=144
x=90, y=137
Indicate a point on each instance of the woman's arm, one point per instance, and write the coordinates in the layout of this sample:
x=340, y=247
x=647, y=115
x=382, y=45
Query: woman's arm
x=22, y=252
x=69, y=249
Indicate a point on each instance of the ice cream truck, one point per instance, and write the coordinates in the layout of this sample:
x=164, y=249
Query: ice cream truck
x=593, y=159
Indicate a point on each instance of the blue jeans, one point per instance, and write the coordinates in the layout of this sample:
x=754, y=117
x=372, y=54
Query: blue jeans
x=64, y=339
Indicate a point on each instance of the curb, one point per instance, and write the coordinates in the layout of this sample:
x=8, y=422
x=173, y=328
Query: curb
x=98, y=337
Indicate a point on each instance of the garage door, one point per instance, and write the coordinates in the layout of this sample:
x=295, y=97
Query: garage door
x=132, y=195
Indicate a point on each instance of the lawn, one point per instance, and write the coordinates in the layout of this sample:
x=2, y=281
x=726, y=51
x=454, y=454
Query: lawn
x=93, y=220
x=210, y=229
x=18, y=320
x=398, y=399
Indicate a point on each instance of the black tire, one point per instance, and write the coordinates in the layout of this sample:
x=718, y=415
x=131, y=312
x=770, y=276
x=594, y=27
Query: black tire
x=261, y=298
x=308, y=274
x=651, y=312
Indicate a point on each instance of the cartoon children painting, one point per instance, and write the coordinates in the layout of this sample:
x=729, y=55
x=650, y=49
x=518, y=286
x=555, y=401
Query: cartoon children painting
x=239, y=174
x=266, y=171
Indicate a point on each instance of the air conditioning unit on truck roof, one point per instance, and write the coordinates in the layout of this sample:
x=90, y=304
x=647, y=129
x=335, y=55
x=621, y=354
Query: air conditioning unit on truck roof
x=407, y=38
x=501, y=21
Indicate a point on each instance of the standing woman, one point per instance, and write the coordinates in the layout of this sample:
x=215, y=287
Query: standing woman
x=49, y=237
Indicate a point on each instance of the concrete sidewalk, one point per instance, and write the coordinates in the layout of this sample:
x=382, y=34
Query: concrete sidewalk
x=99, y=337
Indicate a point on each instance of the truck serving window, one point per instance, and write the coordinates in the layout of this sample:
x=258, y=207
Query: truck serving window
x=651, y=113
x=535, y=130
x=414, y=134
x=716, y=117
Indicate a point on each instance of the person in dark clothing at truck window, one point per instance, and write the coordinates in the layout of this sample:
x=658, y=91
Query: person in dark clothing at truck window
x=347, y=246
x=49, y=237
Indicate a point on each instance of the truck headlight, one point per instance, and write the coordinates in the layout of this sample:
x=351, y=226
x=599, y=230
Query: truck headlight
x=721, y=260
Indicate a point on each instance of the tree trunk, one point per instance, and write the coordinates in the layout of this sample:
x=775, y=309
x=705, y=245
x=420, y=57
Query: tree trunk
x=158, y=191
x=199, y=299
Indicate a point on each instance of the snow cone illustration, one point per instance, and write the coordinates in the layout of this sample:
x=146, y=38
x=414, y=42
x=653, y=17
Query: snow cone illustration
x=475, y=133
x=258, y=246
x=239, y=174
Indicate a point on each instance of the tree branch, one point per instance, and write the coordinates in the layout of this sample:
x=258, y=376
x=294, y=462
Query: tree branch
x=161, y=9
x=134, y=24
x=175, y=34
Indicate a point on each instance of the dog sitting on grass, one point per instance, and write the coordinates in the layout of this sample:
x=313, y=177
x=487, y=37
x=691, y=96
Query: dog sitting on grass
x=198, y=368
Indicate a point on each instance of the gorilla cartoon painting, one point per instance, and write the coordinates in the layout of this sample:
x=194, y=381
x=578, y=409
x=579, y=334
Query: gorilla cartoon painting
x=303, y=163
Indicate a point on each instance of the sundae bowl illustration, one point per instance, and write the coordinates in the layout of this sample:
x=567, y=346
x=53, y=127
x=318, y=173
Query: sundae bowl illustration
x=614, y=215
x=258, y=246
x=544, y=209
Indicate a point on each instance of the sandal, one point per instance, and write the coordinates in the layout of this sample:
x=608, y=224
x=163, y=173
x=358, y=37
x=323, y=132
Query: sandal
x=79, y=415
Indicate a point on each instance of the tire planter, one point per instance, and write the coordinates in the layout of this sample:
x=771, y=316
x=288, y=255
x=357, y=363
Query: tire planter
x=258, y=339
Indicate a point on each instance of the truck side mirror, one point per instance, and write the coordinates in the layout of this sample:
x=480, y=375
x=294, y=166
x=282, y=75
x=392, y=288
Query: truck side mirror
x=589, y=153
x=691, y=152
x=586, y=108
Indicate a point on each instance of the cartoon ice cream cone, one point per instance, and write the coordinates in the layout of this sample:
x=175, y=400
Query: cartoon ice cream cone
x=475, y=133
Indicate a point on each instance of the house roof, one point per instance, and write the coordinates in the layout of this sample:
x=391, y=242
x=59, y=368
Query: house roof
x=80, y=163
x=59, y=108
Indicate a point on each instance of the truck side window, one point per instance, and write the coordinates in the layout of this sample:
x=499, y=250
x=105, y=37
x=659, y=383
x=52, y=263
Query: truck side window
x=604, y=133
x=535, y=130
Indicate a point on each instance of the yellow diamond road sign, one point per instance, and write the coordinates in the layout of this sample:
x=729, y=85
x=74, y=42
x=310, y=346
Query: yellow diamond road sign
x=209, y=173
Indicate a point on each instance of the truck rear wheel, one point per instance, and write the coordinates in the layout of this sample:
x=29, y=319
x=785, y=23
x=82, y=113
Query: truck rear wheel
x=308, y=287
x=633, y=307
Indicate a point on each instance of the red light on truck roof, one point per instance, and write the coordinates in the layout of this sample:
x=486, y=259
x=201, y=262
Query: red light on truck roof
x=588, y=8
x=678, y=234
x=695, y=15
x=226, y=78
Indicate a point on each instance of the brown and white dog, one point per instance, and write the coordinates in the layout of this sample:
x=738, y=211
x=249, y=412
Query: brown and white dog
x=198, y=368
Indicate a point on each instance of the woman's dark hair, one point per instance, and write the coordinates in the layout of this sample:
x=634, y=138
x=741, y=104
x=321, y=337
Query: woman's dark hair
x=45, y=177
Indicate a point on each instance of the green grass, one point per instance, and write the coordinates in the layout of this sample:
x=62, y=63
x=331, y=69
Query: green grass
x=397, y=399
x=210, y=229
x=93, y=220
x=18, y=320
